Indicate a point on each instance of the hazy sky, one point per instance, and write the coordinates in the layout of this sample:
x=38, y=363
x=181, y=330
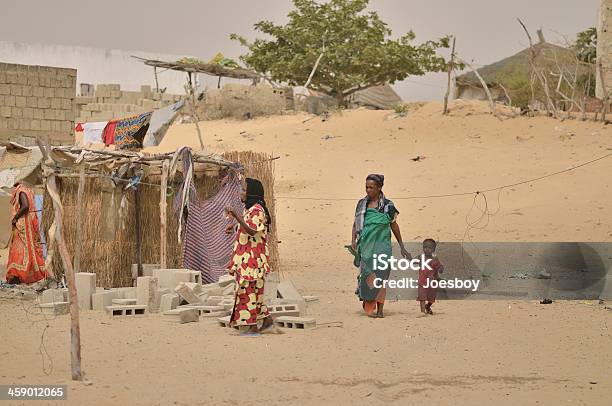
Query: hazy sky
x=486, y=30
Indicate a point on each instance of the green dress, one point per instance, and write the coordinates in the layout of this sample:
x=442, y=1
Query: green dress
x=375, y=238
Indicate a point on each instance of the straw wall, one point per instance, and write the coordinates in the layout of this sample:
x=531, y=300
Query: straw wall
x=109, y=231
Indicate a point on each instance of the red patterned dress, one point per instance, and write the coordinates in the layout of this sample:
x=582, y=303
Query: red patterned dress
x=249, y=264
x=25, y=258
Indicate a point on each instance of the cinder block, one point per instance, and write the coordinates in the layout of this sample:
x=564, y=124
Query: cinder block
x=301, y=304
x=187, y=293
x=204, y=308
x=123, y=310
x=213, y=300
x=212, y=289
x=146, y=286
x=159, y=293
x=170, y=278
x=127, y=293
x=225, y=322
x=53, y=295
x=55, y=308
x=85, y=286
x=225, y=280
x=169, y=301
x=229, y=290
x=182, y=315
x=123, y=302
x=195, y=287
x=291, y=310
x=298, y=323
x=20, y=101
x=101, y=299
x=6, y=111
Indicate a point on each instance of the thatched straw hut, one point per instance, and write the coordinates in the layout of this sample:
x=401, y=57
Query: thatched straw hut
x=109, y=242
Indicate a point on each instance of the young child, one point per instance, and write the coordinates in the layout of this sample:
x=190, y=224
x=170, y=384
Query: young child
x=427, y=295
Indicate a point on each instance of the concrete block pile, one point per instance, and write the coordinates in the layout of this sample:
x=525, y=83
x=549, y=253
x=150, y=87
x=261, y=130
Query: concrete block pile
x=180, y=296
x=110, y=102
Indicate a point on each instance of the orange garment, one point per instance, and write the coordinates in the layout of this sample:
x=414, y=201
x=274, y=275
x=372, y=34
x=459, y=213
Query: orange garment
x=25, y=259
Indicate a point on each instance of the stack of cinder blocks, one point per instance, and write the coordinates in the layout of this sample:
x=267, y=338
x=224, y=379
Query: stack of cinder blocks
x=36, y=101
x=285, y=304
x=110, y=102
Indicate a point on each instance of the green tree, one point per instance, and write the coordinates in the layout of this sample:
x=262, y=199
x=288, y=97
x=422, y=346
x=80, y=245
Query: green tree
x=357, y=50
x=586, y=45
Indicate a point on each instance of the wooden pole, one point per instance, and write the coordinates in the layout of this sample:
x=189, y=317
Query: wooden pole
x=75, y=330
x=79, y=219
x=484, y=85
x=193, y=109
x=451, y=66
x=162, y=216
x=156, y=82
x=138, y=236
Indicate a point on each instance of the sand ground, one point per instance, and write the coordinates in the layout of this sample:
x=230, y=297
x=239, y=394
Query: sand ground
x=470, y=352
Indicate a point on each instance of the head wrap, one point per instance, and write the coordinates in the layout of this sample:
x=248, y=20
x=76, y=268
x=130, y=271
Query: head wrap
x=380, y=179
x=255, y=195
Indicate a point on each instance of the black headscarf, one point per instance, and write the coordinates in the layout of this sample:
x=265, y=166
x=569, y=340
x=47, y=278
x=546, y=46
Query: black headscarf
x=255, y=194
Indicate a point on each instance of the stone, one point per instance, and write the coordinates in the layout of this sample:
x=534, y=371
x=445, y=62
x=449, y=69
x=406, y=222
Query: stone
x=169, y=301
x=100, y=300
x=182, y=315
x=186, y=293
x=126, y=310
x=55, y=308
x=298, y=323
x=85, y=286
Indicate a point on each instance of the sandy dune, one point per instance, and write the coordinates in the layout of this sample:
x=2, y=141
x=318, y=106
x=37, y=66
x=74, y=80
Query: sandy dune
x=506, y=352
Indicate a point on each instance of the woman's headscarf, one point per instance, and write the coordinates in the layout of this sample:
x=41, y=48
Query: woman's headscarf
x=384, y=205
x=254, y=195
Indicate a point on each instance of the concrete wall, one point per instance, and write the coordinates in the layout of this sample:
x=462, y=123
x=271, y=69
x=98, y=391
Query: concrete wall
x=97, y=65
x=36, y=100
x=240, y=101
x=109, y=101
x=604, y=47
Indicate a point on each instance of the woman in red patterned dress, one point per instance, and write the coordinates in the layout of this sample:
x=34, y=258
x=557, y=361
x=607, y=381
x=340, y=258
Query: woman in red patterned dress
x=249, y=262
x=25, y=260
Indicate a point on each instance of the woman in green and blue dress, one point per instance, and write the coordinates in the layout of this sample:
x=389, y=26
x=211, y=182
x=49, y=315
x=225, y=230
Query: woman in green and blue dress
x=375, y=220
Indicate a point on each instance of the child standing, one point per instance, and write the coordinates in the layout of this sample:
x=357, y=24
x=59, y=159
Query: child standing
x=426, y=293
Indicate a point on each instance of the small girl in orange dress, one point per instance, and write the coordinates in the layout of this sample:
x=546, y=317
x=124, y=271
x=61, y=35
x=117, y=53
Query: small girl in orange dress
x=427, y=293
